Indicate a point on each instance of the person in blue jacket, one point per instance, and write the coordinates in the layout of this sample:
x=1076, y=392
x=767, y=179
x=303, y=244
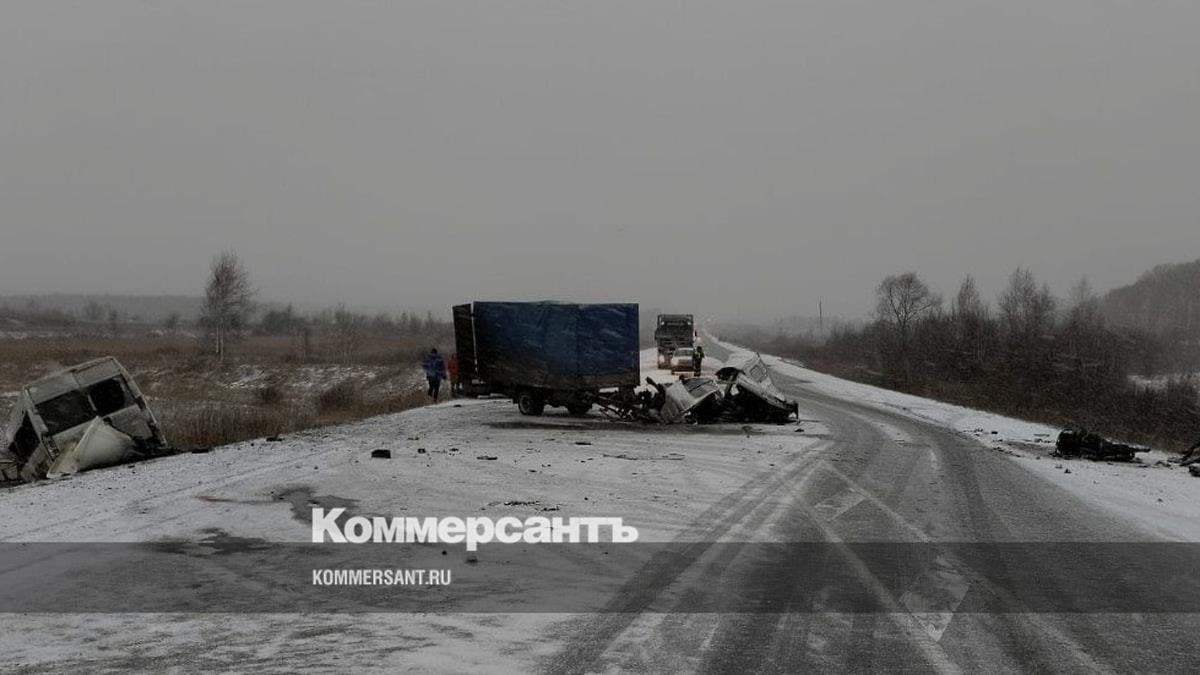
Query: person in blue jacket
x=435, y=372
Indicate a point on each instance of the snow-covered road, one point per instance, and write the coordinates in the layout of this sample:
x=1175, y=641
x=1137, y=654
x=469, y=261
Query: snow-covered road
x=865, y=466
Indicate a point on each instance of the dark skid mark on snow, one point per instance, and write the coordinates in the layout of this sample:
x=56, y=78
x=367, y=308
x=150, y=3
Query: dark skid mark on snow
x=536, y=425
x=215, y=542
x=318, y=631
x=612, y=425
x=303, y=501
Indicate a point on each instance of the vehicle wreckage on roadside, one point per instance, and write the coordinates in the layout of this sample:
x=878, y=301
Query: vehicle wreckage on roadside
x=751, y=390
x=1088, y=445
x=84, y=417
x=741, y=392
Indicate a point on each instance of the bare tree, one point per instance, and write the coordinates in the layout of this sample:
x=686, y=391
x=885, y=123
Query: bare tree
x=349, y=329
x=1087, y=346
x=1082, y=294
x=902, y=299
x=228, y=300
x=968, y=303
x=1027, y=321
x=93, y=311
x=970, y=319
x=1027, y=310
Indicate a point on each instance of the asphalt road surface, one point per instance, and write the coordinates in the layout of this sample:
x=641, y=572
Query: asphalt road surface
x=886, y=477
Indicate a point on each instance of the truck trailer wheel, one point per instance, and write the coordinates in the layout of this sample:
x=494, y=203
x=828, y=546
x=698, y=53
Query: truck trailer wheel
x=578, y=409
x=529, y=403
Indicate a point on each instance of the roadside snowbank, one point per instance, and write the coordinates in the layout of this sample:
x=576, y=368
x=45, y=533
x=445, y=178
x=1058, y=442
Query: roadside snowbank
x=1158, y=496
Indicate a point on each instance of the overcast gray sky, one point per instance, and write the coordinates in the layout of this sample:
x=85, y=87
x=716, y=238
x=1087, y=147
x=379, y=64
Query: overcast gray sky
x=741, y=157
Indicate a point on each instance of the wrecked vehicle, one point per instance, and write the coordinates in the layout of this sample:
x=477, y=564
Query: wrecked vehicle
x=550, y=353
x=1085, y=444
x=742, y=392
x=695, y=399
x=80, y=418
x=581, y=356
x=750, y=391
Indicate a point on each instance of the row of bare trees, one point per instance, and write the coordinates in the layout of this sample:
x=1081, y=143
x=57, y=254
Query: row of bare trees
x=966, y=339
x=228, y=310
x=1032, y=354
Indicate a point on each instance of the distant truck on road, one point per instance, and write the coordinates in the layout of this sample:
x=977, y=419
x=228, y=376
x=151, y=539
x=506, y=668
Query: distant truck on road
x=549, y=353
x=674, y=331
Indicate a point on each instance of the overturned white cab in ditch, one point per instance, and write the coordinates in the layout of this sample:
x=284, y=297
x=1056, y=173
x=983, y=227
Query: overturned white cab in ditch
x=80, y=418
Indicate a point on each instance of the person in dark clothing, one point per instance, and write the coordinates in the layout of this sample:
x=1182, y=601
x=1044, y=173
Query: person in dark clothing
x=697, y=359
x=435, y=372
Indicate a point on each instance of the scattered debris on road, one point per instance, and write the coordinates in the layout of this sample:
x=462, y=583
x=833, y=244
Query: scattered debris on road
x=1192, y=456
x=84, y=417
x=382, y=453
x=624, y=455
x=1085, y=444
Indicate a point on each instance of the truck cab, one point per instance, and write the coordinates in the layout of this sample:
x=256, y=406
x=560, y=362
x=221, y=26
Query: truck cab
x=674, y=331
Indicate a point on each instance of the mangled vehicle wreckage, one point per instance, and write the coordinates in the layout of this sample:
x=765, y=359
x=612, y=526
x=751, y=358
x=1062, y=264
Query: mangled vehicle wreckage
x=751, y=391
x=80, y=418
x=741, y=392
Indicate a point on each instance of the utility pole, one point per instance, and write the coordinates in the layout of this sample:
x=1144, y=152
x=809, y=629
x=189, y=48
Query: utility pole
x=821, y=316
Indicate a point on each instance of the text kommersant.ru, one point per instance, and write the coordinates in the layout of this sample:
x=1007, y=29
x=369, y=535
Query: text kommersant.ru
x=380, y=577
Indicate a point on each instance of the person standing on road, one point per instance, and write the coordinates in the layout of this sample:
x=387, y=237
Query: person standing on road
x=435, y=372
x=697, y=359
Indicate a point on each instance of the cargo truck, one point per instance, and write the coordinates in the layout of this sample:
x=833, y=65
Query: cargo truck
x=549, y=353
x=673, y=331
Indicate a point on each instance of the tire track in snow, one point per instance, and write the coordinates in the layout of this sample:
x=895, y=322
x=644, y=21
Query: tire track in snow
x=593, y=639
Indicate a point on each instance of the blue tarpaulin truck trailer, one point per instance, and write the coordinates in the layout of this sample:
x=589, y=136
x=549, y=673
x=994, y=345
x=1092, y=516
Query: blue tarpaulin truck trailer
x=548, y=353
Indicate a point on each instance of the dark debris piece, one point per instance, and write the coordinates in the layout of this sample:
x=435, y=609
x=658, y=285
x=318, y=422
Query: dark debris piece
x=1085, y=444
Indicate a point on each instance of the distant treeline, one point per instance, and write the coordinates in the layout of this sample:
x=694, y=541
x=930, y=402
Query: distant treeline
x=64, y=308
x=48, y=311
x=287, y=321
x=1064, y=362
x=1164, y=302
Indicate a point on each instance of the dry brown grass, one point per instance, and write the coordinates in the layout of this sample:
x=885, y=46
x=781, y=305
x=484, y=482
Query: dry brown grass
x=191, y=394
x=199, y=425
